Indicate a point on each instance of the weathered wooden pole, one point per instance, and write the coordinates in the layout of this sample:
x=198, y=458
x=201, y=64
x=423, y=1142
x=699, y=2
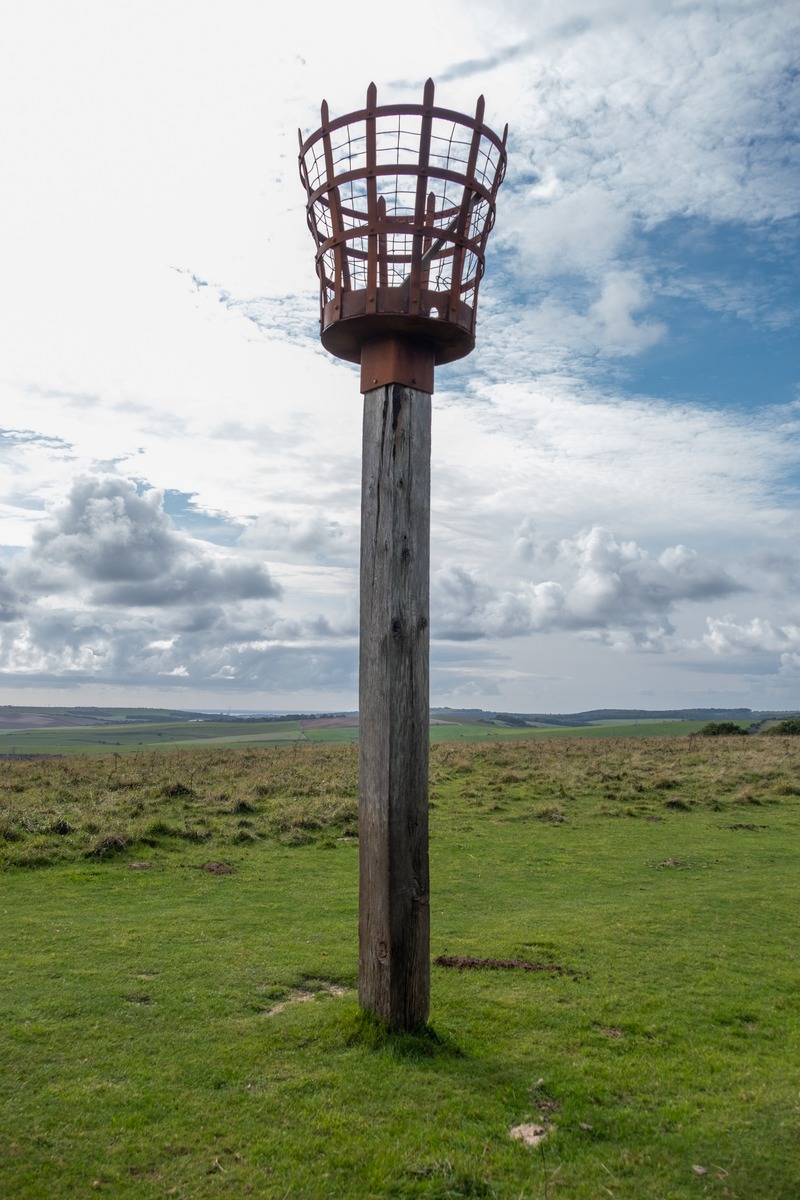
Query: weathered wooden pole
x=401, y=200
x=394, y=924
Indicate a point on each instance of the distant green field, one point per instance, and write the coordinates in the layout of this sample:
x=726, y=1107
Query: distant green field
x=131, y=738
x=638, y=721
x=625, y=729
x=482, y=731
x=337, y=736
x=109, y=739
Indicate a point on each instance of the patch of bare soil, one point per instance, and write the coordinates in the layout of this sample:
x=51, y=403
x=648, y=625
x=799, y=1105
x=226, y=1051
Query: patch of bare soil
x=529, y=1134
x=303, y=996
x=466, y=963
x=139, y=866
x=215, y=868
x=330, y=723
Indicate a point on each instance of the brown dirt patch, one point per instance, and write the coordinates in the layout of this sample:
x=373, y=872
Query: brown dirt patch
x=218, y=868
x=467, y=963
x=329, y=723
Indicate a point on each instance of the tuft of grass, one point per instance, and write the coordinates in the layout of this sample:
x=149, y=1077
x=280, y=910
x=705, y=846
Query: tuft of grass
x=552, y=813
x=108, y=843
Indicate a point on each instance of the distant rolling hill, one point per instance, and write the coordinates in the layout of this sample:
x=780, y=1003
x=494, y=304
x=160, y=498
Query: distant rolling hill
x=28, y=731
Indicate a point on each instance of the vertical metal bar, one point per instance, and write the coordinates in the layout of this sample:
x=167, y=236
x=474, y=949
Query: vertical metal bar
x=430, y=217
x=415, y=274
x=372, y=199
x=465, y=212
x=341, y=265
x=312, y=225
x=383, y=249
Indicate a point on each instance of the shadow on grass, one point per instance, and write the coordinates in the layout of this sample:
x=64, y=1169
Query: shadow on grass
x=361, y=1028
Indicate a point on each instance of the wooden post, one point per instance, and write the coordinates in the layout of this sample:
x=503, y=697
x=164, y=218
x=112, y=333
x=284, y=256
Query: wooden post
x=394, y=903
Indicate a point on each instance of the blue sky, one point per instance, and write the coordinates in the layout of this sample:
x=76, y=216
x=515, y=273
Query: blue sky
x=615, y=508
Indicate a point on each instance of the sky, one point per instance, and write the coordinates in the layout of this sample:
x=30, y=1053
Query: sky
x=615, y=508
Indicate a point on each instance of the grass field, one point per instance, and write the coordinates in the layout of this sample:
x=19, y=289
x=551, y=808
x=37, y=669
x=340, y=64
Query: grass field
x=134, y=738
x=179, y=955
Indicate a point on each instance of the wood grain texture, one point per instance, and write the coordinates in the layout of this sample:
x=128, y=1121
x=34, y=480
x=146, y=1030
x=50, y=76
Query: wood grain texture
x=394, y=902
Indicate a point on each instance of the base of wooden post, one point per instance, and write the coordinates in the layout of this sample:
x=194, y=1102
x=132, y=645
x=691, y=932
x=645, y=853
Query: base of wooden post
x=394, y=902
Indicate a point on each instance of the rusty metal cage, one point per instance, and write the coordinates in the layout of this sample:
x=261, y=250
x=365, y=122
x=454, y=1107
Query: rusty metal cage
x=401, y=201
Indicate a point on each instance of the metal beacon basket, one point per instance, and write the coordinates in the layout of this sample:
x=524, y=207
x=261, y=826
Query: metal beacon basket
x=401, y=201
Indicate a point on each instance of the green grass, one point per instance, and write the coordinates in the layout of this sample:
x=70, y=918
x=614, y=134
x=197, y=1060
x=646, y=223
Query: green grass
x=145, y=1055
x=344, y=736
x=483, y=731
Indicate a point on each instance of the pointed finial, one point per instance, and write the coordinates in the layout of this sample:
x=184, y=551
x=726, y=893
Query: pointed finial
x=323, y=112
x=427, y=95
x=372, y=96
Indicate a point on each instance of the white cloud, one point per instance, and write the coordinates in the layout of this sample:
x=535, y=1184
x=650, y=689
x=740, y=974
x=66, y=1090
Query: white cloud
x=564, y=455
x=117, y=547
x=597, y=584
x=612, y=314
x=726, y=637
x=553, y=231
x=110, y=590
